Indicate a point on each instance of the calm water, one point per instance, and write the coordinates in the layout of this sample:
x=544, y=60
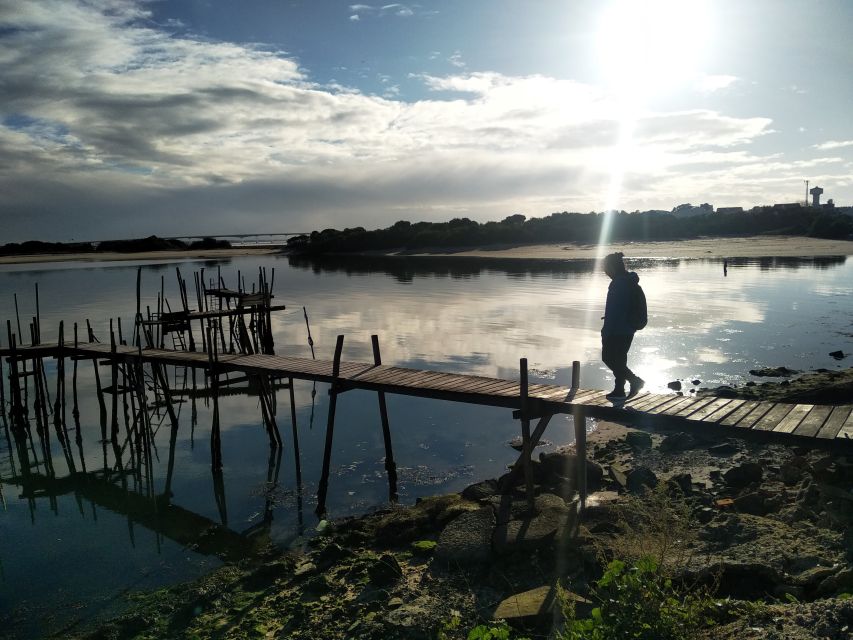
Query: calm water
x=71, y=545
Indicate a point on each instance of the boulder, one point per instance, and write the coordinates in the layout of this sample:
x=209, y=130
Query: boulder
x=681, y=483
x=743, y=475
x=641, y=478
x=677, y=442
x=773, y=372
x=526, y=605
x=480, y=490
x=838, y=355
x=675, y=385
x=534, y=532
x=758, y=503
x=385, y=571
x=467, y=539
x=639, y=440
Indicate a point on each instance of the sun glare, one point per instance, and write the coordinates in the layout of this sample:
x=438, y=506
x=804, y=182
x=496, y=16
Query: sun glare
x=652, y=46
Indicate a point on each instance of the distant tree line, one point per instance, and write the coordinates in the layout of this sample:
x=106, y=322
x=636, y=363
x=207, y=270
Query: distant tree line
x=583, y=228
x=151, y=243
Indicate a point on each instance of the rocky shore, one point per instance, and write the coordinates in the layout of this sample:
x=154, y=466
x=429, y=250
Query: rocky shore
x=761, y=531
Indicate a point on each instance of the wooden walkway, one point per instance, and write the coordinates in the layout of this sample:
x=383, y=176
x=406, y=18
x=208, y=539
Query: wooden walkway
x=805, y=424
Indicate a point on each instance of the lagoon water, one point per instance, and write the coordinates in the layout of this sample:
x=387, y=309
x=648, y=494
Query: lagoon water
x=72, y=546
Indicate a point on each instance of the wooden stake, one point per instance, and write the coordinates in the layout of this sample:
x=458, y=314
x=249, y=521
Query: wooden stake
x=390, y=465
x=330, y=428
x=525, y=435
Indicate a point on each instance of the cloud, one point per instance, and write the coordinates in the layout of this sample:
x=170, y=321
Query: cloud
x=395, y=9
x=355, y=17
x=834, y=144
x=111, y=127
x=712, y=83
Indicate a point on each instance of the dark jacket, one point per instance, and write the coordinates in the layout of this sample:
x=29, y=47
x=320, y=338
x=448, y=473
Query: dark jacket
x=618, y=305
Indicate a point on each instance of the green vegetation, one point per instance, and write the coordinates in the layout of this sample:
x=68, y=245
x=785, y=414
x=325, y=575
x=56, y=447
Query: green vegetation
x=151, y=243
x=638, y=602
x=580, y=228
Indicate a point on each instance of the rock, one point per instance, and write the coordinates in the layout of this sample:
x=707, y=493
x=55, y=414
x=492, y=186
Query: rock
x=723, y=449
x=395, y=603
x=517, y=443
x=750, y=384
x=743, y=475
x=331, y=554
x=423, y=547
x=639, y=440
x=677, y=442
x=791, y=473
x=467, y=539
x=480, y=490
x=840, y=581
x=412, y=618
x=640, y=479
x=385, y=571
x=696, y=382
x=527, y=604
x=401, y=525
x=746, y=581
x=675, y=385
x=555, y=468
x=619, y=475
x=682, y=482
x=773, y=372
x=725, y=391
x=508, y=508
x=758, y=503
x=304, y=569
x=533, y=532
x=838, y=355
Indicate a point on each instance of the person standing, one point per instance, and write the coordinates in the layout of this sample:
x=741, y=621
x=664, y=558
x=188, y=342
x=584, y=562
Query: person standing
x=620, y=324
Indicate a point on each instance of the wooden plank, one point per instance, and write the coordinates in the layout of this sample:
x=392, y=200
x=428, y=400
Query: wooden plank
x=772, y=418
x=812, y=423
x=594, y=399
x=735, y=416
x=724, y=411
x=673, y=409
x=640, y=398
x=755, y=415
x=565, y=394
x=666, y=405
x=833, y=425
x=655, y=401
x=699, y=404
x=846, y=432
x=793, y=418
x=711, y=407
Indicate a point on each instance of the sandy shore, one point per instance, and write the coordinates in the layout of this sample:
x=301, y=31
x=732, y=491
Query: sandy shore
x=746, y=247
x=211, y=254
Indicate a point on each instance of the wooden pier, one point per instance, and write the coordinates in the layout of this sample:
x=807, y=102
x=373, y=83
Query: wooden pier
x=247, y=350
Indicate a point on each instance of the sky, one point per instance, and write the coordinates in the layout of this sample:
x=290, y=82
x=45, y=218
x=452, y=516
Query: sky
x=124, y=118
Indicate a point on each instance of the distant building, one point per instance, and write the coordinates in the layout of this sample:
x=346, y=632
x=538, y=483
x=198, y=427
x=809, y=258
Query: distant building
x=688, y=210
x=729, y=209
x=816, y=193
x=788, y=205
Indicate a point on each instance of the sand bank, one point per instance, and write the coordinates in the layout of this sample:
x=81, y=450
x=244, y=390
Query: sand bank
x=745, y=247
x=208, y=254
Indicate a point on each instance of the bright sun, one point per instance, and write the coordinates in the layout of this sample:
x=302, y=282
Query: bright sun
x=647, y=47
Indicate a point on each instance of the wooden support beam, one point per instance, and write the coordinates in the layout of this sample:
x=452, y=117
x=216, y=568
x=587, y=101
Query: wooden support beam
x=295, y=434
x=330, y=428
x=390, y=465
x=526, y=451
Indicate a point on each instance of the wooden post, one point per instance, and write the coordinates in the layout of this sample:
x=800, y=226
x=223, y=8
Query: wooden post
x=579, y=419
x=576, y=375
x=114, y=373
x=295, y=433
x=390, y=465
x=330, y=428
x=14, y=383
x=525, y=434
x=215, y=437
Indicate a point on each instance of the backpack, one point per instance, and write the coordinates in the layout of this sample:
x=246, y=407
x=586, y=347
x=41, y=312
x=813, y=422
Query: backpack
x=638, y=314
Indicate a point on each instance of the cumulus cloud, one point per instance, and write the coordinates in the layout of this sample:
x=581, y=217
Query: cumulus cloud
x=110, y=127
x=395, y=9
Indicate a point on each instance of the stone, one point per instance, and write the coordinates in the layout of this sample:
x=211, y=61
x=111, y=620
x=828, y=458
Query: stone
x=773, y=372
x=641, y=478
x=555, y=468
x=838, y=582
x=411, y=618
x=683, y=482
x=480, y=490
x=639, y=440
x=534, y=532
x=304, y=569
x=402, y=525
x=791, y=473
x=675, y=385
x=677, y=442
x=838, y=355
x=467, y=539
x=331, y=554
x=395, y=603
x=619, y=475
x=527, y=604
x=757, y=503
x=743, y=475
x=723, y=449
x=696, y=382
x=385, y=571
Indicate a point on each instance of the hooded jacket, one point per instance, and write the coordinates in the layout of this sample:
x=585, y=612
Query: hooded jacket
x=618, y=305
